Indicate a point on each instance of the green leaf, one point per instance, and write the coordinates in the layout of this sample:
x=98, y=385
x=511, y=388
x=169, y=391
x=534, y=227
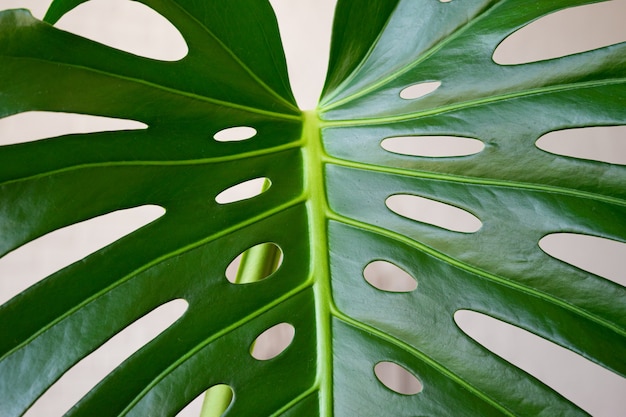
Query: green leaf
x=325, y=209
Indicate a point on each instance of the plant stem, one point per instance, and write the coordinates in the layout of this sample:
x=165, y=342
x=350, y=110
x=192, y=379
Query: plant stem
x=257, y=263
x=216, y=400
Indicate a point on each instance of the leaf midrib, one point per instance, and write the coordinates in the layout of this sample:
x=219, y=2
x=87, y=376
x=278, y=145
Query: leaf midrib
x=314, y=197
x=317, y=207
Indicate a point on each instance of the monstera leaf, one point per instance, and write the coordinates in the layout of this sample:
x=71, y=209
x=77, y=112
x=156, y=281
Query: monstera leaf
x=326, y=208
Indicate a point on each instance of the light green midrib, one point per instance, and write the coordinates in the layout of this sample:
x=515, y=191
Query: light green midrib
x=321, y=214
x=319, y=277
x=317, y=208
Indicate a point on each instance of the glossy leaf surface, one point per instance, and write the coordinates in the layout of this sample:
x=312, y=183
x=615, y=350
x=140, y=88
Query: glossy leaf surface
x=325, y=210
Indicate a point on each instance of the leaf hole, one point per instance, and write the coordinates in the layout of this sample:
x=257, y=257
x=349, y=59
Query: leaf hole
x=433, y=212
x=386, y=276
x=32, y=262
x=397, y=378
x=432, y=146
x=419, y=90
x=272, y=342
x=581, y=381
x=235, y=134
x=598, y=255
x=565, y=32
x=128, y=26
x=255, y=264
x=244, y=190
x=598, y=143
x=36, y=125
x=83, y=376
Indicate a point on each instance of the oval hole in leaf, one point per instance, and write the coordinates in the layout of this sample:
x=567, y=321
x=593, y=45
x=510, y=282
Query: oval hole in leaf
x=433, y=212
x=416, y=91
x=565, y=32
x=244, y=268
x=83, y=376
x=128, y=26
x=397, y=378
x=586, y=384
x=272, y=342
x=432, y=146
x=235, y=134
x=598, y=255
x=388, y=277
x=32, y=262
x=599, y=143
x=244, y=190
x=35, y=125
